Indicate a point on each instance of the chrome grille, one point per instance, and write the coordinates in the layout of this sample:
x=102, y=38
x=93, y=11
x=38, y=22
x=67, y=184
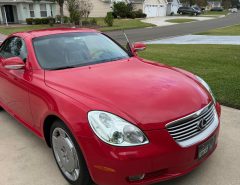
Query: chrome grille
x=192, y=125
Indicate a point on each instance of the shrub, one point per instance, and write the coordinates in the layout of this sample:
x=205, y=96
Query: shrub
x=37, y=21
x=85, y=23
x=122, y=10
x=93, y=21
x=109, y=19
x=29, y=21
x=66, y=19
x=44, y=21
x=140, y=14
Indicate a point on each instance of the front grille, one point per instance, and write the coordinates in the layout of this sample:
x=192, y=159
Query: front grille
x=192, y=125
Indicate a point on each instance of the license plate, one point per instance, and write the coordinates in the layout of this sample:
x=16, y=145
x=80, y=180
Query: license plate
x=205, y=148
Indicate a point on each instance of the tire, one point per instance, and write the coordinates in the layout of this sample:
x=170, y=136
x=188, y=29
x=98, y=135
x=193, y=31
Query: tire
x=75, y=171
x=195, y=14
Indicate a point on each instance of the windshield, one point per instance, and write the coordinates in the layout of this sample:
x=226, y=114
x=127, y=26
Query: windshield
x=76, y=49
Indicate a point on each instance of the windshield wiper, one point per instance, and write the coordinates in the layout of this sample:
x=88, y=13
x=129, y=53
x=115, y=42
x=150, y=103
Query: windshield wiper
x=63, y=67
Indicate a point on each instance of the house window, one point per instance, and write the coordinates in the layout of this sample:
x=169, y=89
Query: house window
x=31, y=10
x=43, y=10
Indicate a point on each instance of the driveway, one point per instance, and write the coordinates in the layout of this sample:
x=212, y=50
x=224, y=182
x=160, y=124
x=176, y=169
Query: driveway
x=26, y=160
x=161, y=21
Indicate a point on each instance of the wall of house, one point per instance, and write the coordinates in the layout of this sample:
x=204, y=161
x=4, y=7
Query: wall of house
x=21, y=11
x=100, y=8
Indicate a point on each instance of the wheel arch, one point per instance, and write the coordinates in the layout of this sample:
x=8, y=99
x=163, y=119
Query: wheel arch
x=48, y=122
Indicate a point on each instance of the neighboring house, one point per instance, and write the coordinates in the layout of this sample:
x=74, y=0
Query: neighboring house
x=101, y=7
x=16, y=11
x=155, y=8
x=213, y=4
x=173, y=6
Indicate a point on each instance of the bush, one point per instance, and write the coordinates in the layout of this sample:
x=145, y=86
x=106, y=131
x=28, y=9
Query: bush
x=109, y=19
x=44, y=21
x=29, y=21
x=122, y=10
x=140, y=14
x=93, y=21
x=85, y=23
x=48, y=20
x=65, y=19
x=37, y=21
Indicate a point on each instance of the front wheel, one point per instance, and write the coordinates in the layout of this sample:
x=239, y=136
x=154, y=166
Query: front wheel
x=68, y=155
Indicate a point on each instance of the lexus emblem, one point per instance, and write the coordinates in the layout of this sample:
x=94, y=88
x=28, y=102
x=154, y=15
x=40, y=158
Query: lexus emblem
x=202, y=124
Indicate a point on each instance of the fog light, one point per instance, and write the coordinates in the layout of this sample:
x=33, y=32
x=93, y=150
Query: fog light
x=136, y=177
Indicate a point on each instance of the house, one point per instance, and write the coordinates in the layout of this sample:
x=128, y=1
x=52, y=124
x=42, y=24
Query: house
x=213, y=4
x=101, y=7
x=173, y=6
x=16, y=11
x=155, y=8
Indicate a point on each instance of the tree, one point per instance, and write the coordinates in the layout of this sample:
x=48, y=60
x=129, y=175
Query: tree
x=78, y=9
x=226, y=4
x=201, y=3
x=61, y=4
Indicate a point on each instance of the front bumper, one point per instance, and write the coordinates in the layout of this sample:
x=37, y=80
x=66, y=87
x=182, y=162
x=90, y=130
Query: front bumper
x=160, y=160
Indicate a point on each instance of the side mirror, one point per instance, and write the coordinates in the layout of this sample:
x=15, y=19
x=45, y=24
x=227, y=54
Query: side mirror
x=138, y=46
x=13, y=63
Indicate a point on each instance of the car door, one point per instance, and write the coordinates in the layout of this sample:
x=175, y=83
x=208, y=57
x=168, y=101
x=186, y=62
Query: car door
x=14, y=83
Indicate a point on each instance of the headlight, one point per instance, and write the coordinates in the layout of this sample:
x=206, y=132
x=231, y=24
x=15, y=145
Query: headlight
x=207, y=87
x=114, y=130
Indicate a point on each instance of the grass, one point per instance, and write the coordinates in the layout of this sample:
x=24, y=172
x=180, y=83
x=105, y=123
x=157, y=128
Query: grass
x=215, y=13
x=219, y=65
x=119, y=24
x=180, y=20
x=231, y=30
x=12, y=29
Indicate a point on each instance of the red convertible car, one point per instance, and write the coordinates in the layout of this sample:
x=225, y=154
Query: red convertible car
x=109, y=116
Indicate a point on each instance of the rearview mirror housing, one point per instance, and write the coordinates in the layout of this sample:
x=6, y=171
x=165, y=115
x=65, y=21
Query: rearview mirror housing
x=138, y=46
x=13, y=63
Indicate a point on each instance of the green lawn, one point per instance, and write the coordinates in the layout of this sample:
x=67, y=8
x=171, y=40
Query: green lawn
x=180, y=20
x=119, y=24
x=12, y=29
x=231, y=30
x=215, y=13
x=219, y=65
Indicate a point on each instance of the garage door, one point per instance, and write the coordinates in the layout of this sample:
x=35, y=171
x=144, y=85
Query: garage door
x=151, y=10
x=155, y=10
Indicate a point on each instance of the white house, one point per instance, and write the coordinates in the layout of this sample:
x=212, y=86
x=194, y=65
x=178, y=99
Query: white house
x=101, y=7
x=155, y=8
x=16, y=11
x=173, y=6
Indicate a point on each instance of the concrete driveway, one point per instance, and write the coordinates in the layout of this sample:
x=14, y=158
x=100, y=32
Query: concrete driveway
x=26, y=160
x=162, y=21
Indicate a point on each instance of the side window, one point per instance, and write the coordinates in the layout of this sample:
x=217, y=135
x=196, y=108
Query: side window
x=14, y=47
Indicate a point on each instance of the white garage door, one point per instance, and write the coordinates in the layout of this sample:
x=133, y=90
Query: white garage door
x=155, y=10
x=151, y=10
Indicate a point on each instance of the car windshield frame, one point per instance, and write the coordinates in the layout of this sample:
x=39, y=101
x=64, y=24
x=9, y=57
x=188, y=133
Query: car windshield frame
x=128, y=53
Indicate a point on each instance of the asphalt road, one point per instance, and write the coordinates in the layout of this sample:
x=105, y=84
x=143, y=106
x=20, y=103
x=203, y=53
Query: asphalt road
x=146, y=34
x=26, y=160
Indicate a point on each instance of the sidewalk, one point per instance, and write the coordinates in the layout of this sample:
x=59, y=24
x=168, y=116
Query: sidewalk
x=198, y=39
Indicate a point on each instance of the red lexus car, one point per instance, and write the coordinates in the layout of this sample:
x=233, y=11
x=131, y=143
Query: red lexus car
x=108, y=115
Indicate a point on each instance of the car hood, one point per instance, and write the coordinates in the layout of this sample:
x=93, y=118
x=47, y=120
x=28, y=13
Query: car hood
x=147, y=94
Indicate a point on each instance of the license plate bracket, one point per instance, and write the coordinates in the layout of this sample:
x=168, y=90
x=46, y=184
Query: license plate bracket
x=205, y=148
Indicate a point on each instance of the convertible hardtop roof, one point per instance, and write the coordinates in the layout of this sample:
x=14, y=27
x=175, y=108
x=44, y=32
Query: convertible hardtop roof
x=52, y=31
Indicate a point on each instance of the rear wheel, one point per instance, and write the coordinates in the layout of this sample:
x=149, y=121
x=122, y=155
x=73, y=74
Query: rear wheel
x=68, y=155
